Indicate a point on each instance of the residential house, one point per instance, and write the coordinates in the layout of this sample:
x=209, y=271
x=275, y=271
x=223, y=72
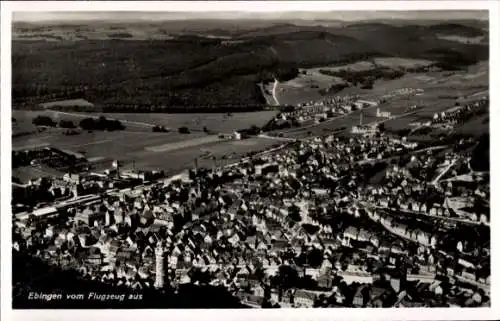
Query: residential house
x=303, y=298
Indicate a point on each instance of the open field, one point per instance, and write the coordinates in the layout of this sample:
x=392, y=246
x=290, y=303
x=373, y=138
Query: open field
x=172, y=151
x=435, y=84
x=135, y=154
x=22, y=126
x=291, y=95
x=170, y=147
x=219, y=122
x=312, y=78
x=422, y=115
x=70, y=102
x=356, y=66
x=138, y=144
x=439, y=94
x=462, y=39
x=184, y=158
x=213, y=121
x=26, y=173
x=112, y=144
x=331, y=125
x=24, y=119
x=305, y=87
x=396, y=62
x=167, y=151
x=310, y=81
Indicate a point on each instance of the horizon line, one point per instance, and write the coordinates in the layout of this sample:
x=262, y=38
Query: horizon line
x=155, y=16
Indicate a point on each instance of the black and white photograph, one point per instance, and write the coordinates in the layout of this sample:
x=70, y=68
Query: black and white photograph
x=247, y=159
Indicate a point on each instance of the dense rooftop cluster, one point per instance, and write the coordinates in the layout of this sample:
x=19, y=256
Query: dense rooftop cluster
x=309, y=225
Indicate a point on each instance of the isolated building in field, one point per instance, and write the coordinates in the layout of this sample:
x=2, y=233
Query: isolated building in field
x=364, y=130
x=383, y=114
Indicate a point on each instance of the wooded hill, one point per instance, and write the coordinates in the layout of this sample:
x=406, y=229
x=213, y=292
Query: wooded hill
x=191, y=69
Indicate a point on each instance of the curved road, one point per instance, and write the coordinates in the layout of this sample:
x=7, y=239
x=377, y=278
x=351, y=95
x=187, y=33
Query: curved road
x=275, y=86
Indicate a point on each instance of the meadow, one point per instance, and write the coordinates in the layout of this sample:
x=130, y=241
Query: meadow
x=148, y=150
x=184, y=158
x=436, y=84
x=218, y=122
x=137, y=145
x=441, y=90
x=225, y=123
x=172, y=151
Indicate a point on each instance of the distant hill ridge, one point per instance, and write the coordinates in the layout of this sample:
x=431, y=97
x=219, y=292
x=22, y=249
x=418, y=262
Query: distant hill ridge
x=126, y=66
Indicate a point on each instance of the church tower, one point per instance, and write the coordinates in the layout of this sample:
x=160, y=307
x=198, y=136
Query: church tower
x=74, y=190
x=160, y=267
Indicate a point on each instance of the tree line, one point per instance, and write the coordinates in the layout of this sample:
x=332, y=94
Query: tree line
x=153, y=108
x=90, y=123
x=365, y=78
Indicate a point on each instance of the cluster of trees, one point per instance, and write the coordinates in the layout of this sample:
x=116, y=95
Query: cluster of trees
x=35, y=194
x=251, y=131
x=24, y=158
x=66, y=124
x=208, y=131
x=403, y=132
x=101, y=123
x=420, y=69
x=452, y=60
x=287, y=108
x=480, y=160
x=71, y=132
x=32, y=94
x=276, y=124
x=41, y=120
x=368, y=171
x=294, y=213
x=288, y=277
x=365, y=78
x=90, y=123
x=47, y=121
x=286, y=73
x=335, y=88
x=160, y=129
x=120, y=35
x=184, y=130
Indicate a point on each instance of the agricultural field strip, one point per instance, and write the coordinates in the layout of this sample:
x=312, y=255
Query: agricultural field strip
x=90, y=115
x=169, y=147
x=322, y=124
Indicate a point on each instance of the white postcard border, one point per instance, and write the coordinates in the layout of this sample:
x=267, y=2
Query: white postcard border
x=282, y=314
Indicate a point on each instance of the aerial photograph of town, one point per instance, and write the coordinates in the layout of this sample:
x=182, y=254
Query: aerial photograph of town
x=182, y=160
